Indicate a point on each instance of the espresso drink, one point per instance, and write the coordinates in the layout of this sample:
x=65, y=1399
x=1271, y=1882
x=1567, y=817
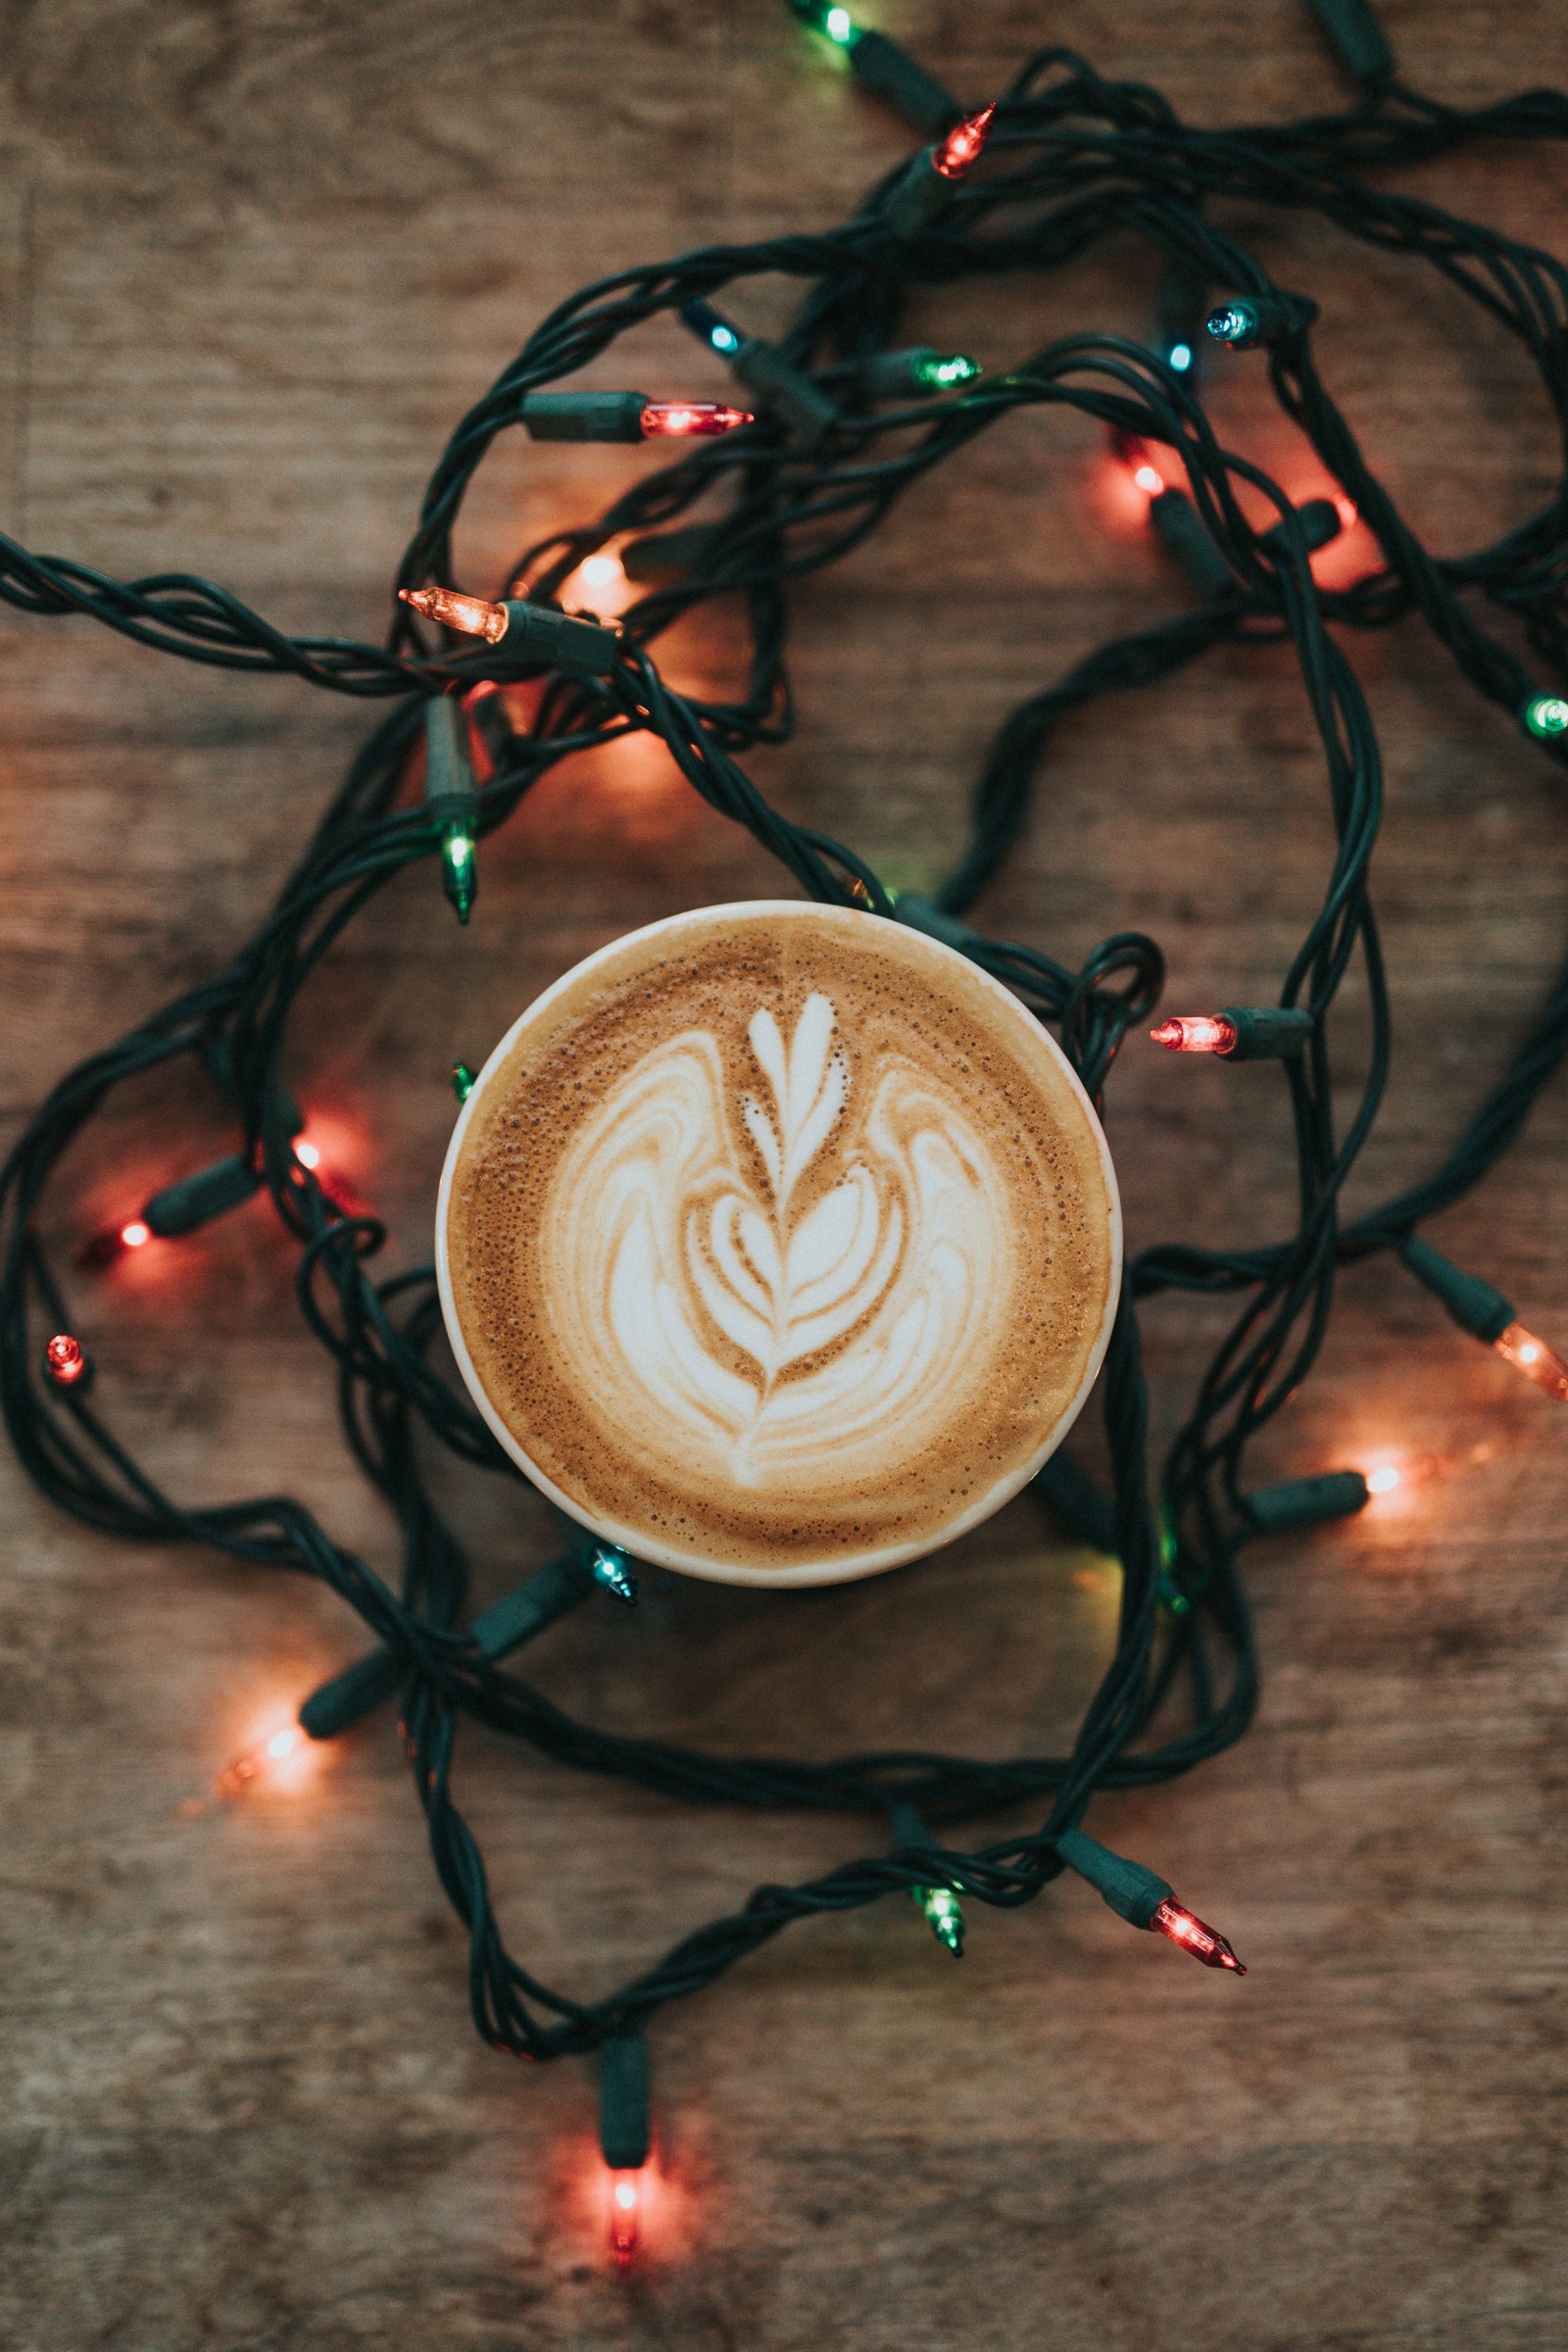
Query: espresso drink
x=779, y=1243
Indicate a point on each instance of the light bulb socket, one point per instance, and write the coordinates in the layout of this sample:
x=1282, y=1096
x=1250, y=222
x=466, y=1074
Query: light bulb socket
x=1267, y=1032
x=540, y=636
x=890, y=72
x=1301, y=1503
x=448, y=769
x=624, y=2102
x=583, y=416
x=1182, y=533
x=907, y=1827
x=670, y=554
x=1356, y=38
x=1082, y=1509
x=783, y=390
x=194, y=1201
x=552, y=1591
x=1473, y=1303
x=923, y=914
x=1316, y=519
x=1133, y=1892
x=917, y=196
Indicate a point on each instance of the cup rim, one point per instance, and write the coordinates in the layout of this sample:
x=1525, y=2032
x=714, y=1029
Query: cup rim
x=848, y=1568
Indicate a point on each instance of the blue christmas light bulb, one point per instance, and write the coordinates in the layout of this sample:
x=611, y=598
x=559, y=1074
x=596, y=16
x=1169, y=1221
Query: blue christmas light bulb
x=1234, y=323
x=712, y=329
x=613, y=1570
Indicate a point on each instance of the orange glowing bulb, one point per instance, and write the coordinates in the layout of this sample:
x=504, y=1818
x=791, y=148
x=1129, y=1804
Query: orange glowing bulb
x=625, y=2207
x=1382, y=1481
x=134, y=1235
x=1346, y=511
x=1197, y=1032
x=964, y=145
x=600, y=572
x=308, y=1155
x=475, y=615
x=259, y=1761
x=1535, y=1359
x=1148, y=479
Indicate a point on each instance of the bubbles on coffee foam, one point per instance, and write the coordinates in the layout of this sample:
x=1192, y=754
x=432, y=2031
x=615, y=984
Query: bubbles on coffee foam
x=797, y=1311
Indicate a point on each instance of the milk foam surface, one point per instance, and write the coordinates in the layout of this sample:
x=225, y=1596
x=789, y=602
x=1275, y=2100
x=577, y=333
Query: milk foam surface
x=780, y=1243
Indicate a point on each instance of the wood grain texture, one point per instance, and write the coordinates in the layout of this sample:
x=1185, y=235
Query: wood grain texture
x=255, y=258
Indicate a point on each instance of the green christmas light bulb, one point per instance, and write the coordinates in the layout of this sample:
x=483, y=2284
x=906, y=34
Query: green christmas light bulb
x=944, y=368
x=461, y=1081
x=1547, y=716
x=940, y=1906
x=459, y=873
x=836, y=22
x=1171, y=1595
x=450, y=794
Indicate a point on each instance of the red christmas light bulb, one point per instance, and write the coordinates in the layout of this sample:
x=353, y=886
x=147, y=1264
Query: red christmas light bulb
x=1535, y=1359
x=1197, y=1032
x=1174, y=1920
x=64, y=1361
x=964, y=145
x=681, y=419
x=475, y=615
x=625, y=2216
x=1148, y=479
x=111, y=1243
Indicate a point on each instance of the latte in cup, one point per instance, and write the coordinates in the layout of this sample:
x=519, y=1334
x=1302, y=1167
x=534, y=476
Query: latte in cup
x=778, y=1244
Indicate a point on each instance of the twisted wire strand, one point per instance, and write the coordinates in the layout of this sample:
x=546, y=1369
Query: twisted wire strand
x=1075, y=157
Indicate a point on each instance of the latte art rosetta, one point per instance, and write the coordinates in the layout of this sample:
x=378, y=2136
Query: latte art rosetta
x=774, y=1271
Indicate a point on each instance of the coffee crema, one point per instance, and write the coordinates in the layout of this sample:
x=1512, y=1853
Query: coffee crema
x=779, y=1243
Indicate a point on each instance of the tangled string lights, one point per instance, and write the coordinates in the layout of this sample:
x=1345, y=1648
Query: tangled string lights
x=842, y=423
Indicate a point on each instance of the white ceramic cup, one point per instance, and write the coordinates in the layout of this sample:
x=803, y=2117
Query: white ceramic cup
x=1062, y=1104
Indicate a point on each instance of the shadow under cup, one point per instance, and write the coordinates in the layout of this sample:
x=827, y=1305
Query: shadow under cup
x=778, y=1244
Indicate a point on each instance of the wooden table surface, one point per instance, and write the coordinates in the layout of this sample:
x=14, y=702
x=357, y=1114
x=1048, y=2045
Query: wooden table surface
x=255, y=259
